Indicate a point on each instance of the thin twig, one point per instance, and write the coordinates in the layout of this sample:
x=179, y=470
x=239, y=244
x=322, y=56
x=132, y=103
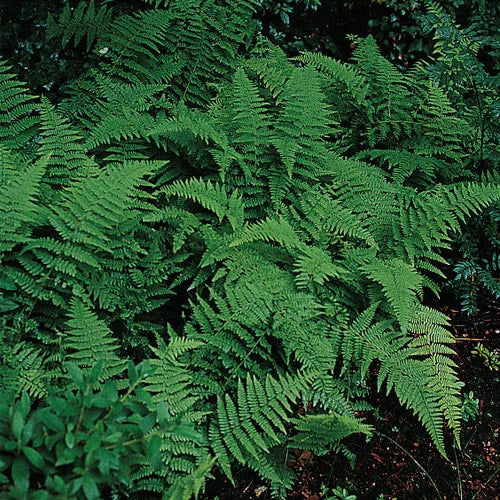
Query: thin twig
x=468, y=339
x=417, y=463
x=497, y=470
x=469, y=440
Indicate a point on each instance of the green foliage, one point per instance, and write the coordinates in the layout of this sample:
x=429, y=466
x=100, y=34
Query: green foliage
x=491, y=358
x=67, y=157
x=399, y=26
x=321, y=433
x=89, y=341
x=248, y=428
x=257, y=234
x=470, y=407
x=81, y=441
x=76, y=23
x=337, y=493
x=473, y=88
x=17, y=112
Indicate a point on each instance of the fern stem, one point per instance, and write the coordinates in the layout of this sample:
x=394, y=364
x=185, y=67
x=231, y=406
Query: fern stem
x=234, y=370
x=121, y=400
x=468, y=441
x=130, y=442
x=82, y=410
x=417, y=463
x=110, y=411
x=459, y=477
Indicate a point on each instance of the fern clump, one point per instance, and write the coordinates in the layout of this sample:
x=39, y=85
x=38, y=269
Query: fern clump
x=201, y=236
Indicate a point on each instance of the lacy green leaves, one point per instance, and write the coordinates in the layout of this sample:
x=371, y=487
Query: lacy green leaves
x=196, y=245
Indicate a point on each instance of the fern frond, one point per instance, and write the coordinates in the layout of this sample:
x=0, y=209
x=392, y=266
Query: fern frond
x=303, y=123
x=469, y=198
x=171, y=383
x=388, y=91
x=330, y=217
x=247, y=122
x=18, y=119
x=339, y=72
x=211, y=196
x=23, y=370
x=88, y=340
x=401, y=285
x=433, y=398
x=238, y=429
x=82, y=21
x=90, y=246
x=269, y=230
x=18, y=209
x=315, y=265
x=67, y=157
x=184, y=487
x=322, y=433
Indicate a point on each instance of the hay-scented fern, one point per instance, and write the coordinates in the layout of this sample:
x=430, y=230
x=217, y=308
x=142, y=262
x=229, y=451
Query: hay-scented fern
x=200, y=237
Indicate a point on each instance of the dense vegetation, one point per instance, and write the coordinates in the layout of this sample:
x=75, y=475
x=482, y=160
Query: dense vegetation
x=212, y=253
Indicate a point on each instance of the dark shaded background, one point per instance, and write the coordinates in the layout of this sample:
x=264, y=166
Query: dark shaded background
x=296, y=25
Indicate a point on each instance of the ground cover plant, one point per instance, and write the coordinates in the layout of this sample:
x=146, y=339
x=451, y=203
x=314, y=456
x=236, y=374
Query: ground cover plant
x=214, y=255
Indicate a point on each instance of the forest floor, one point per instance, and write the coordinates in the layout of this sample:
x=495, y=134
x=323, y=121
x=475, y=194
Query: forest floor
x=399, y=462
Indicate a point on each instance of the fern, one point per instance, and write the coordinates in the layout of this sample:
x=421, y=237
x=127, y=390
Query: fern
x=268, y=230
x=273, y=224
x=211, y=197
x=23, y=371
x=401, y=286
x=81, y=233
x=184, y=446
x=415, y=381
x=171, y=382
x=68, y=158
x=185, y=487
x=266, y=406
x=18, y=121
x=18, y=209
x=339, y=73
x=82, y=21
x=321, y=433
x=88, y=340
